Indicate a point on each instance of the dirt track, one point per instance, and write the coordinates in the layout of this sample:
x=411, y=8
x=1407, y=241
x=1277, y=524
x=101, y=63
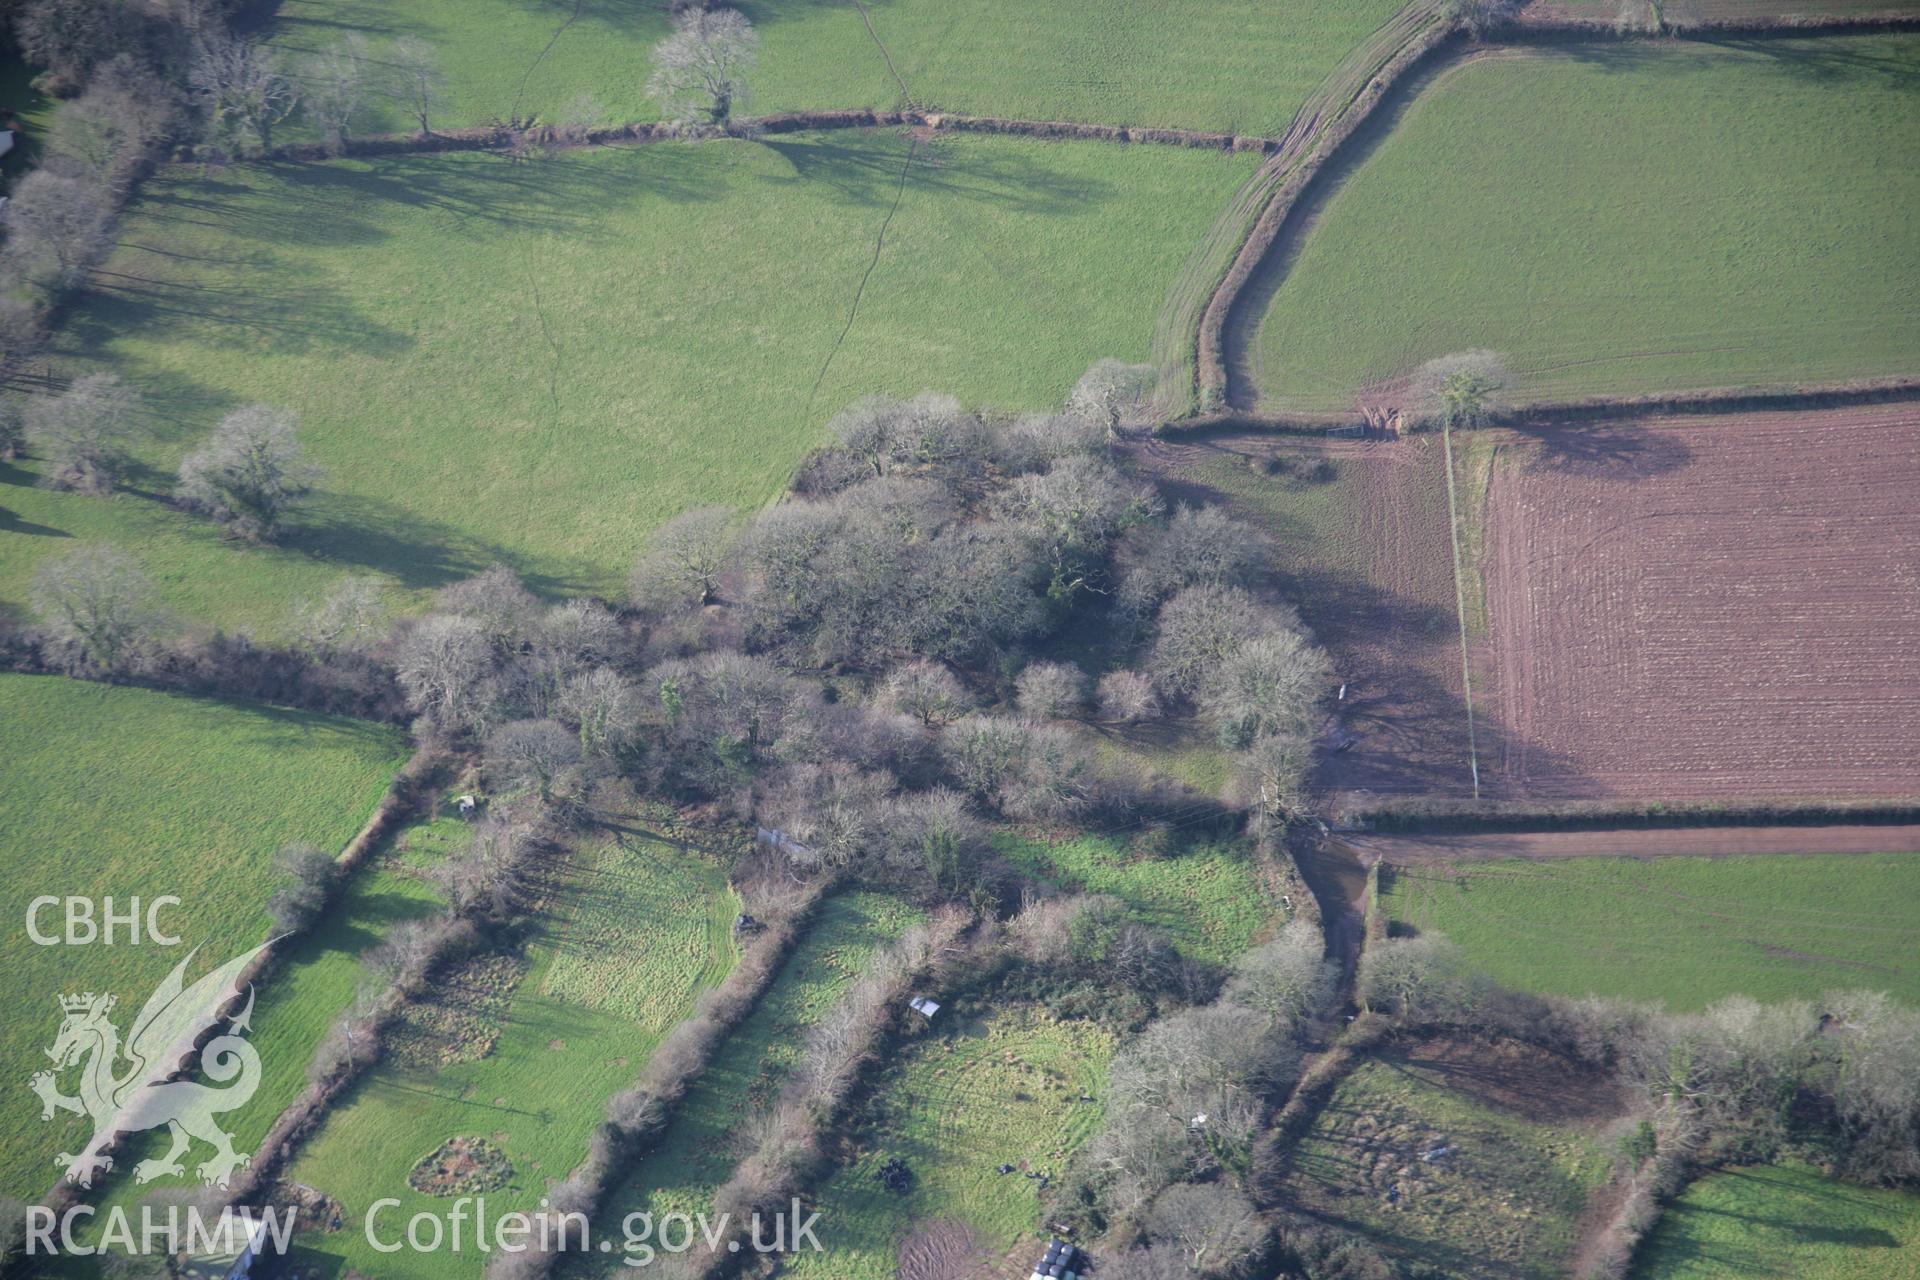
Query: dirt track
x=1631, y=842
x=1725, y=608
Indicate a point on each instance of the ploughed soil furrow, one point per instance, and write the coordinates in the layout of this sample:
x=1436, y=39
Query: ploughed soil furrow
x=1725, y=608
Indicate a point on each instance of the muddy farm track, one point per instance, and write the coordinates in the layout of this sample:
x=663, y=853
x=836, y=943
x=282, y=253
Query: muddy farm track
x=1418, y=849
x=1707, y=609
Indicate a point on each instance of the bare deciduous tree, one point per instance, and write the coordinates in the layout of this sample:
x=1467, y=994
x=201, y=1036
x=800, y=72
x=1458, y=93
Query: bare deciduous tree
x=1219, y=1228
x=1076, y=509
x=1049, y=690
x=250, y=473
x=1197, y=547
x=1126, y=697
x=927, y=691
x=444, y=664
x=1270, y=778
x=1410, y=975
x=702, y=67
x=350, y=617
x=1199, y=627
x=68, y=37
x=83, y=433
x=1459, y=390
x=1268, y=684
x=1289, y=979
x=934, y=834
x=495, y=598
x=334, y=89
x=1110, y=393
x=416, y=80
x=125, y=110
x=686, y=558
x=1035, y=441
x=833, y=810
x=540, y=756
x=605, y=707
x=243, y=94
x=97, y=608
x=56, y=222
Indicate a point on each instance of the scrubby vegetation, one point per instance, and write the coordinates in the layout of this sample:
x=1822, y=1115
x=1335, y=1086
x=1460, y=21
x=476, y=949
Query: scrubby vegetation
x=857, y=763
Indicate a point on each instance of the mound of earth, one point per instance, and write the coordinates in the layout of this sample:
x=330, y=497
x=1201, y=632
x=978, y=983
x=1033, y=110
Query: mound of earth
x=461, y=1166
x=941, y=1250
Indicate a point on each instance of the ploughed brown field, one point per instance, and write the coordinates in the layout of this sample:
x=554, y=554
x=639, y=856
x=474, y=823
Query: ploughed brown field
x=1728, y=609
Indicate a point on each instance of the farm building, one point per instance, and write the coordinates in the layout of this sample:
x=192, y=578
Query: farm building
x=237, y=1243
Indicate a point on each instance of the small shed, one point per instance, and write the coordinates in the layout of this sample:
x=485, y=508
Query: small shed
x=1062, y=1261
x=238, y=1241
x=924, y=1007
x=466, y=805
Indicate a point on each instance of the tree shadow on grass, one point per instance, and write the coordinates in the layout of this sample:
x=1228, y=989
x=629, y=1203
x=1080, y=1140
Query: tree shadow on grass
x=1624, y=452
x=572, y=191
x=352, y=530
x=1835, y=62
x=864, y=169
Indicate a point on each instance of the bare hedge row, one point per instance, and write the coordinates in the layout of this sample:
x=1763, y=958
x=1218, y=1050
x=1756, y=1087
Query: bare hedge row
x=637, y=1116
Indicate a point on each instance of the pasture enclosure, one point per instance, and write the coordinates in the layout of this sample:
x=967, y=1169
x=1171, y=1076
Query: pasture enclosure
x=1681, y=931
x=1234, y=67
x=1707, y=612
x=523, y=1048
x=1207, y=897
x=1783, y=1222
x=1617, y=218
x=130, y=793
x=538, y=363
x=1473, y=1160
x=1005, y=1089
x=702, y=1143
x=1359, y=535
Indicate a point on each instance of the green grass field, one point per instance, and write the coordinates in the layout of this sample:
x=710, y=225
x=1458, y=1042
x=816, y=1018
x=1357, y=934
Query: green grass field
x=127, y=792
x=1503, y=1202
x=539, y=363
x=974, y=1096
x=298, y=1005
x=574, y=1029
x=1685, y=931
x=1787, y=1222
x=1237, y=66
x=1620, y=219
x=697, y=1152
x=1206, y=897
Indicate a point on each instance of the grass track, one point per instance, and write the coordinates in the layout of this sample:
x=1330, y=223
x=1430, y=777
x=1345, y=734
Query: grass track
x=538, y=364
x=1786, y=1222
x=1621, y=218
x=1237, y=66
x=1685, y=931
x=128, y=792
x=1001, y=1090
x=539, y=1091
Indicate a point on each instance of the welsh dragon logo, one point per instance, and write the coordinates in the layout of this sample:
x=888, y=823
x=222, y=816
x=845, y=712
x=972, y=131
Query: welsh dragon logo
x=124, y=1086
